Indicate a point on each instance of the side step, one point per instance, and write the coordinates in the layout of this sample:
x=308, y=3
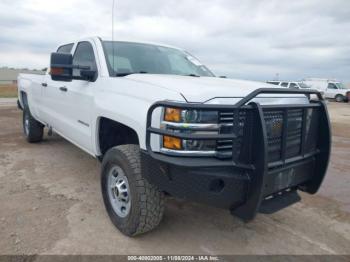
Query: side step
x=279, y=201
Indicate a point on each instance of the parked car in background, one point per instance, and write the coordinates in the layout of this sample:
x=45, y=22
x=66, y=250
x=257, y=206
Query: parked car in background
x=295, y=85
x=332, y=89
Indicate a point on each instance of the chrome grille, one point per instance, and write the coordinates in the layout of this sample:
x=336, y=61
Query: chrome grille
x=225, y=147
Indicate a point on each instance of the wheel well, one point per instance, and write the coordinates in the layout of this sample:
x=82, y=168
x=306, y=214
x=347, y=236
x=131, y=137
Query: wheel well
x=112, y=133
x=24, y=99
x=342, y=97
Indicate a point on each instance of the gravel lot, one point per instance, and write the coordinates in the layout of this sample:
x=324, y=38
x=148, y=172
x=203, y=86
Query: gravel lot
x=51, y=204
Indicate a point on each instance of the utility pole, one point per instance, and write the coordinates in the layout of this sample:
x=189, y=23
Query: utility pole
x=277, y=77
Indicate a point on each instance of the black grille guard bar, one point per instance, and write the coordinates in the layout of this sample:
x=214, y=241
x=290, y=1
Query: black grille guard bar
x=258, y=169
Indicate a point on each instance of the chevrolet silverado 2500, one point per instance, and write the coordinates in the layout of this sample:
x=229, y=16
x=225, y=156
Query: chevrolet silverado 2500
x=163, y=124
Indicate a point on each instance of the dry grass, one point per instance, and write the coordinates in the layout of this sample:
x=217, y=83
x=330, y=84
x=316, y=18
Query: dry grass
x=9, y=90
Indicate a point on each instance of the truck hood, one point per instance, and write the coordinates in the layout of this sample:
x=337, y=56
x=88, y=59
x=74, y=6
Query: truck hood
x=203, y=89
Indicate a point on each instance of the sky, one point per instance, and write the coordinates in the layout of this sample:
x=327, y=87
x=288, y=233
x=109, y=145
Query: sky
x=251, y=39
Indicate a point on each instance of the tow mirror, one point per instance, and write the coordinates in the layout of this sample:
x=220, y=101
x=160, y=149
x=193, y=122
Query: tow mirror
x=61, y=67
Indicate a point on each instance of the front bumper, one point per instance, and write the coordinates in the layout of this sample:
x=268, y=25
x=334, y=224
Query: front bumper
x=223, y=187
x=253, y=177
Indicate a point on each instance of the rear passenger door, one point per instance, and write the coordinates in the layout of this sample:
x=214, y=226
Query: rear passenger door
x=51, y=104
x=77, y=98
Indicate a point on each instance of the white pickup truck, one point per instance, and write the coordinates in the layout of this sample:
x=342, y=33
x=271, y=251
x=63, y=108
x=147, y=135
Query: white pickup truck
x=163, y=124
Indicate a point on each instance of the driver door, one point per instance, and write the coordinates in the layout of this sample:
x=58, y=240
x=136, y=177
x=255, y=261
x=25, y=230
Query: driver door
x=52, y=111
x=331, y=90
x=77, y=99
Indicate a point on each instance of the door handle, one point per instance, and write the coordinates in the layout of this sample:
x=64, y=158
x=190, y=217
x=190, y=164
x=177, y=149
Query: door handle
x=44, y=84
x=63, y=89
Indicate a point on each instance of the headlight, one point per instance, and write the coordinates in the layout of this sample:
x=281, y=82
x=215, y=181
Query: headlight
x=189, y=122
x=190, y=116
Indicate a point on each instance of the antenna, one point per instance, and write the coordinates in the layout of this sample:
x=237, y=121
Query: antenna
x=113, y=7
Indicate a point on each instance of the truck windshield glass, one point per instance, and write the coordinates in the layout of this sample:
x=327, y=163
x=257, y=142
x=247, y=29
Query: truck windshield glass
x=341, y=86
x=132, y=58
x=302, y=85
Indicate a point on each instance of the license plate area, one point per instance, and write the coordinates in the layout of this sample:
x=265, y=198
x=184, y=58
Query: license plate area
x=288, y=177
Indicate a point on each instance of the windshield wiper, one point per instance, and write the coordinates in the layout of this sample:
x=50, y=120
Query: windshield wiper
x=130, y=73
x=193, y=75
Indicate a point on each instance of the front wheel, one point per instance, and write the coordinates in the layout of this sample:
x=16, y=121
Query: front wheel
x=339, y=98
x=134, y=205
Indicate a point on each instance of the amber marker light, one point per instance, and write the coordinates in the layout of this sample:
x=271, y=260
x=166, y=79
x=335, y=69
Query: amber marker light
x=173, y=143
x=172, y=115
x=56, y=71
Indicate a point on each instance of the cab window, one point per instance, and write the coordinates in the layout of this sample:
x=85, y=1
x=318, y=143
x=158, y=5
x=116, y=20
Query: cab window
x=65, y=49
x=84, y=56
x=332, y=86
x=293, y=85
x=284, y=84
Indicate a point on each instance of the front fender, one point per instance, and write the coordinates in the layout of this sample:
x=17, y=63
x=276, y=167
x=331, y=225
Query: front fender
x=128, y=104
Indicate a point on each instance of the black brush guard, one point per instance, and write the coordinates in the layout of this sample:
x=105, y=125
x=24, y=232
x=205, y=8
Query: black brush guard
x=266, y=175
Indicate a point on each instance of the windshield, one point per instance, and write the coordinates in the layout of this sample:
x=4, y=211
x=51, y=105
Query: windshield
x=340, y=85
x=130, y=58
x=302, y=85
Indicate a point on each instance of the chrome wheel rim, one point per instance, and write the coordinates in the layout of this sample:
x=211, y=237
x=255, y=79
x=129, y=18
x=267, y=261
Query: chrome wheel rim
x=26, y=124
x=119, y=191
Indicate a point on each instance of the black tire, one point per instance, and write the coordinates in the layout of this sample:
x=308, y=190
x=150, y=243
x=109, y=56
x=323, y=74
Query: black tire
x=34, y=131
x=147, y=202
x=339, y=98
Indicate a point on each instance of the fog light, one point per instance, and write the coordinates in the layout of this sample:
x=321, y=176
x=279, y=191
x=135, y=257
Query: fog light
x=172, y=143
x=191, y=145
x=199, y=145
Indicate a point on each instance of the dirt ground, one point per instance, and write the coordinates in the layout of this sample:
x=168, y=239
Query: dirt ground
x=8, y=90
x=50, y=203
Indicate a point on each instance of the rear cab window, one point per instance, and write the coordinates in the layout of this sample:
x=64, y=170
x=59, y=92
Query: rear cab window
x=65, y=49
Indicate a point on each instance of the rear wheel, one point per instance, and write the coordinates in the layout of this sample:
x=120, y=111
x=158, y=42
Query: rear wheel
x=134, y=205
x=33, y=130
x=339, y=98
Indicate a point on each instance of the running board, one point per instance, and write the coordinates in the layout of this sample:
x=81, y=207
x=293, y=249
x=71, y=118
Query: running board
x=277, y=202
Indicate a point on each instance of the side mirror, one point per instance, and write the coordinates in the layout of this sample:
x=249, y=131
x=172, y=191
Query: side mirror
x=61, y=67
